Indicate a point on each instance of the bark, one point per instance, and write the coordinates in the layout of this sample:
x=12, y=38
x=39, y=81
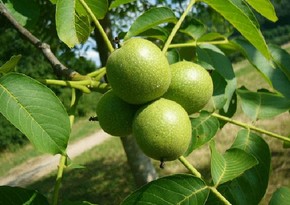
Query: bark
x=142, y=169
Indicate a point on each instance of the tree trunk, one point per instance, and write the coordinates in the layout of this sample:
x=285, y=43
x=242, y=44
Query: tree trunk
x=141, y=167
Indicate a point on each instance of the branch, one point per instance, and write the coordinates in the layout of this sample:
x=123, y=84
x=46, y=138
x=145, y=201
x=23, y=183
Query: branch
x=58, y=67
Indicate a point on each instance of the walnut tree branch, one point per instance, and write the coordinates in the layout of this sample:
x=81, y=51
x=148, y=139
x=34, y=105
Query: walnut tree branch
x=58, y=67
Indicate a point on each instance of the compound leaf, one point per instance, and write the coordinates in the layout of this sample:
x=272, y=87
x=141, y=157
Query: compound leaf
x=18, y=195
x=250, y=187
x=204, y=128
x=72, y=27
x=176, y=189
x=265, y=8
x=280, y=196
x=230, y=165
x=36, y=111
x=275, y=77
x=262, y=104
x=242, y=18
x=151, y=18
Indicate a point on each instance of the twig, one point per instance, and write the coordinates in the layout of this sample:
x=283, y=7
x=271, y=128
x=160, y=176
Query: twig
x=58, y=67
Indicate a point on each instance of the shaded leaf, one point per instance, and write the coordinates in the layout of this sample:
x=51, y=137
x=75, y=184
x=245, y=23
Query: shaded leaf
x=26, y=12
x=216, y=58
x=77, y=203
x=281, y=196
x=218, y=99
x=117, y=3
x=18, y=195
x=99, y=8
x=265, y=8
x=155, y=33
x=175, y=189
x=72, y=27
x=262, y=104
x=172, y=56
x=242, y=18
x=231, y=110
x=230, y=165
x=150, y=19
x=211, y=37
x=195, y=29
x=36, y=111
x=204, y=128
x=275, y=77
x=282, y=58
x=251, y=186
x=10, y=65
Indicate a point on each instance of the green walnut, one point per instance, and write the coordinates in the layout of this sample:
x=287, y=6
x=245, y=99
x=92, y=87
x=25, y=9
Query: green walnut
x=138, y=72
x=115, y=116
x=162, y=129
x=191, y=86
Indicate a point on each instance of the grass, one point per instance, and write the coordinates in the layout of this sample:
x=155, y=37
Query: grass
x=106, y=178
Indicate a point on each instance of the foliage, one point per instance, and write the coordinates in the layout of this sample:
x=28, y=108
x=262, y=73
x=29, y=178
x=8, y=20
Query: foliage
x=241, y=174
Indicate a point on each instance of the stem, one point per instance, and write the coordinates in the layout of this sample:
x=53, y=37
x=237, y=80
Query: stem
x=61, y=167
x=177, y=26
x=194, y=171
x=98, y=25
x=251, y=127
x=219, y=195
x=194, y=44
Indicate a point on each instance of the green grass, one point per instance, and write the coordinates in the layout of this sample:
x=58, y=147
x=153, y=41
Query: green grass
x=10, y=159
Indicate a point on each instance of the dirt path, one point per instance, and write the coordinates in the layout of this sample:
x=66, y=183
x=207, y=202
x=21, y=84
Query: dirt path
x=38, y=167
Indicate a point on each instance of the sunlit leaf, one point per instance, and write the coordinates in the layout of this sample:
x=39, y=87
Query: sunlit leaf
x=10, y=65
x=275, y=77
x=150, y=19
x=99, y=8
x=117, y=3
x=281, y=196
x=241, y=17
x=176, y=189
x=18, y=195
x=250, y=187
x=265, y=8
x=36, y=111
x=233, y=163
x=204, y=128
x=262, y=104
x=72, y=27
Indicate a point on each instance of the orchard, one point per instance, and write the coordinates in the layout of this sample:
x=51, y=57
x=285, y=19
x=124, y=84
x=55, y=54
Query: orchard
x=167, y=86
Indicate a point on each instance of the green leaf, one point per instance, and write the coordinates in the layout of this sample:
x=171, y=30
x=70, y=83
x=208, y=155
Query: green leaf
x=262, y=104
x=53, y=1
x=219, y=98
x=217, y=59
x=204, y=128
x=176, y=189
x=251, y=186
x=281, y=196
x=26, y=12
x=72, y=27
x=275, y=77
x=18, y=195
x=117, y=3
x=195, y=29
x=172, y=56
x=77, y=203
x=281, y=58
x=211, y=37
x=36, y=111
x=150, y=19
x=265, y=8
x=10, y=65
x=99, y=8
x=230, y=165
x=155, y=33
x=242, y=18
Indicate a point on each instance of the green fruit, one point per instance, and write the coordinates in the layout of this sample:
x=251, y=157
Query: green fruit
x=162, y=130
x=138, y=71
x=115, y=115
x=191, y=86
